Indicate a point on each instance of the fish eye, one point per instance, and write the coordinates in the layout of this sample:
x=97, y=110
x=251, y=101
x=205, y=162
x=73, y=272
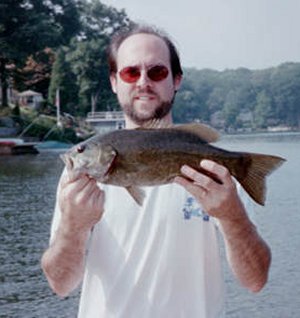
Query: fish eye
x=80, y=148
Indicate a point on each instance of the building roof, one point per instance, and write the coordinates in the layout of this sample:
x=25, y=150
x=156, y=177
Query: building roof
x=29, y=93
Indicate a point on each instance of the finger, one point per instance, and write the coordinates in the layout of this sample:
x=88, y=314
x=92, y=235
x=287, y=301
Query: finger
x=201, y=178
x=196, y=190
x=191, y=173
x=82, y=194
x=219, y=172
x=73, y=175
x=227, y=182
x=98, y=197
x=90, y=186
x=68, y=176
x=84, y=188
x=75, y=185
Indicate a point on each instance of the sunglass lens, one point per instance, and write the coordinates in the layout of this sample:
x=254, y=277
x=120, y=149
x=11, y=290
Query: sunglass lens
x=130, y=74
x=158, y=73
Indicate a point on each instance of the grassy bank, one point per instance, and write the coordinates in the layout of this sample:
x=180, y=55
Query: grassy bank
x=30, y=124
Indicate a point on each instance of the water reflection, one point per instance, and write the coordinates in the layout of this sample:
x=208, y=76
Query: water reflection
x=27, y=194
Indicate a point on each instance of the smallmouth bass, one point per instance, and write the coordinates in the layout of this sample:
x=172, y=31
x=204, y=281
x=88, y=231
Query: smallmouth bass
x=133, y=158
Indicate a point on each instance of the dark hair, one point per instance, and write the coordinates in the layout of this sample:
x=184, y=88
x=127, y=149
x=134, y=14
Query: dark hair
x=122, y=35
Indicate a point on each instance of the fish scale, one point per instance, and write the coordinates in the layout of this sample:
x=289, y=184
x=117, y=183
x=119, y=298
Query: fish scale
x=153, y=156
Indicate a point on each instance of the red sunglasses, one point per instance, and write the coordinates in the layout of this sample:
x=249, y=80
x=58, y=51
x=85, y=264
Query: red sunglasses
x=156, y=73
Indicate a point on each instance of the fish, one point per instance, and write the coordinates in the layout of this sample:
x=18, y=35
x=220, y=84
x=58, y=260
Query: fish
x=153, y=155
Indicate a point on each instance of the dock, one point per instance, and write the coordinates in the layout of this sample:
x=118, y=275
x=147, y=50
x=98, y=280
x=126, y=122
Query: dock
x=16, y=146
x=104, y=122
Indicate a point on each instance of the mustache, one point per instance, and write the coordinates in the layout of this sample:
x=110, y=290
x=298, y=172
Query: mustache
x=146, y=90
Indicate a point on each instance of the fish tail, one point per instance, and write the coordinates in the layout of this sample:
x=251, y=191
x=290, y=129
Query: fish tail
x=254, y=182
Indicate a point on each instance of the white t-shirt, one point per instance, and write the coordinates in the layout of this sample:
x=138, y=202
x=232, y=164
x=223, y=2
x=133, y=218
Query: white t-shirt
x=160, y=260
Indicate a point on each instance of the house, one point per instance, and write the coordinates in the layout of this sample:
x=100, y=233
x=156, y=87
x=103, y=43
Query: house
x=30, y=99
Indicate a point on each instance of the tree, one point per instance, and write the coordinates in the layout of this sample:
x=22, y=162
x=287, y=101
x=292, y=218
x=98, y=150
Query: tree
x=98, y=19
x=35, y=75
x=285, y=89
x=231, y=109
x=63, y=79
x=88, y=63
x=263, y=109
x=86, y=56
x=29, y=26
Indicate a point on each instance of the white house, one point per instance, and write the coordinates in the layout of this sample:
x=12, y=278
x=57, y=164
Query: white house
x=30, y=98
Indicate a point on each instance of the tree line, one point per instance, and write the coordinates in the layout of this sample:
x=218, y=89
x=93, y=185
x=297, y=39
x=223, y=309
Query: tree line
x=241, y=98
x=61, y=44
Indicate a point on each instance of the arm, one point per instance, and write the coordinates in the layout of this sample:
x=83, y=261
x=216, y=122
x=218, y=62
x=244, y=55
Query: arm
x=248, y=255
x=81, y=204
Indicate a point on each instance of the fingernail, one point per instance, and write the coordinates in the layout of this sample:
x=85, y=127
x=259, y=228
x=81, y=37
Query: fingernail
x=204, y=163
x=184, y=169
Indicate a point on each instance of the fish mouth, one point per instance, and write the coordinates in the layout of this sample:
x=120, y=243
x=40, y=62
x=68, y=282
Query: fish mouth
x=63, y=157
x=67, y=160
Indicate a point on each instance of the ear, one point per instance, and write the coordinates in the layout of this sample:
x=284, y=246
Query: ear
x=113, y=82
x=177, y=82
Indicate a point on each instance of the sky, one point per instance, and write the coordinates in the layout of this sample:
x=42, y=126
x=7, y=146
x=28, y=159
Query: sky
x=224, y=34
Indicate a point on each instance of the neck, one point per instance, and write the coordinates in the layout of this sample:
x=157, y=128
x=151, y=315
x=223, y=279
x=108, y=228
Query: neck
x=129, y=124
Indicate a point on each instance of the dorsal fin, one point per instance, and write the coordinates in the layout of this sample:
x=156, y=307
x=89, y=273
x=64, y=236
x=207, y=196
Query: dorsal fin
x=156, y=124
x=203, y=131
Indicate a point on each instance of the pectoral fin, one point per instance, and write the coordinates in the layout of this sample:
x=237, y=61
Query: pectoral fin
x=137, y=194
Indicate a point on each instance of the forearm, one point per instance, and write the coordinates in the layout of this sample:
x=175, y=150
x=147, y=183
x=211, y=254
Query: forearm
x=63, y=262
x=248, y=255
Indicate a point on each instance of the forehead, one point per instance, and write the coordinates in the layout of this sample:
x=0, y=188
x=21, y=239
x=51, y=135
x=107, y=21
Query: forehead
x=143, y=49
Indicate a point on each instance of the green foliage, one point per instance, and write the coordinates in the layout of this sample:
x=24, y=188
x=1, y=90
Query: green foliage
x=16, y=111
x=28, y=26
x=44, y=127
x=68, y=39
x=100, y=20
x=36, y=73
x=285, y=89
x=81, y=73
x=263, y=109
x=63, y=79
x=241, y=99
x=88, y=64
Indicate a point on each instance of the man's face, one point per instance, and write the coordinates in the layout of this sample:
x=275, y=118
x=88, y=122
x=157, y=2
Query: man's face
x=144, y=99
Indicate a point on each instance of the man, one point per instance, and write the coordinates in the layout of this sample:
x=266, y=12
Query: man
x=161, y=259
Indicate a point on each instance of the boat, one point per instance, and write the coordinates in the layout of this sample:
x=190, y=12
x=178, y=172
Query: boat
x=17, y=146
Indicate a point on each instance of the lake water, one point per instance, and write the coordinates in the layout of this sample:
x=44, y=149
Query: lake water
x=27, y=194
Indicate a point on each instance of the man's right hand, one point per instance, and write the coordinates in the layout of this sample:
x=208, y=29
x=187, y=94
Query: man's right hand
x=81, y=202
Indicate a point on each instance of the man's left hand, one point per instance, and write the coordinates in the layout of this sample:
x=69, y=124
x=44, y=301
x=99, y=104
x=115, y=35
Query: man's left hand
x=217, y=195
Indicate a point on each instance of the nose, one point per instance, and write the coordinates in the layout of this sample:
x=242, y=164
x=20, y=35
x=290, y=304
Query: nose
x=144, y=80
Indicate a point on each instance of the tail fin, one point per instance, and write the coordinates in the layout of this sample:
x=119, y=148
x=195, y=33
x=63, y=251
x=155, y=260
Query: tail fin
x=255, y=181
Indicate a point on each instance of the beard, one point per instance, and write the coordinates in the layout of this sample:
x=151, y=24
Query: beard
x=139, y=118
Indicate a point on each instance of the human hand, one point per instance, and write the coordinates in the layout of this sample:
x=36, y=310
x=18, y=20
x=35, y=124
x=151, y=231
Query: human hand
x=216, y=193
x=80, y=200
